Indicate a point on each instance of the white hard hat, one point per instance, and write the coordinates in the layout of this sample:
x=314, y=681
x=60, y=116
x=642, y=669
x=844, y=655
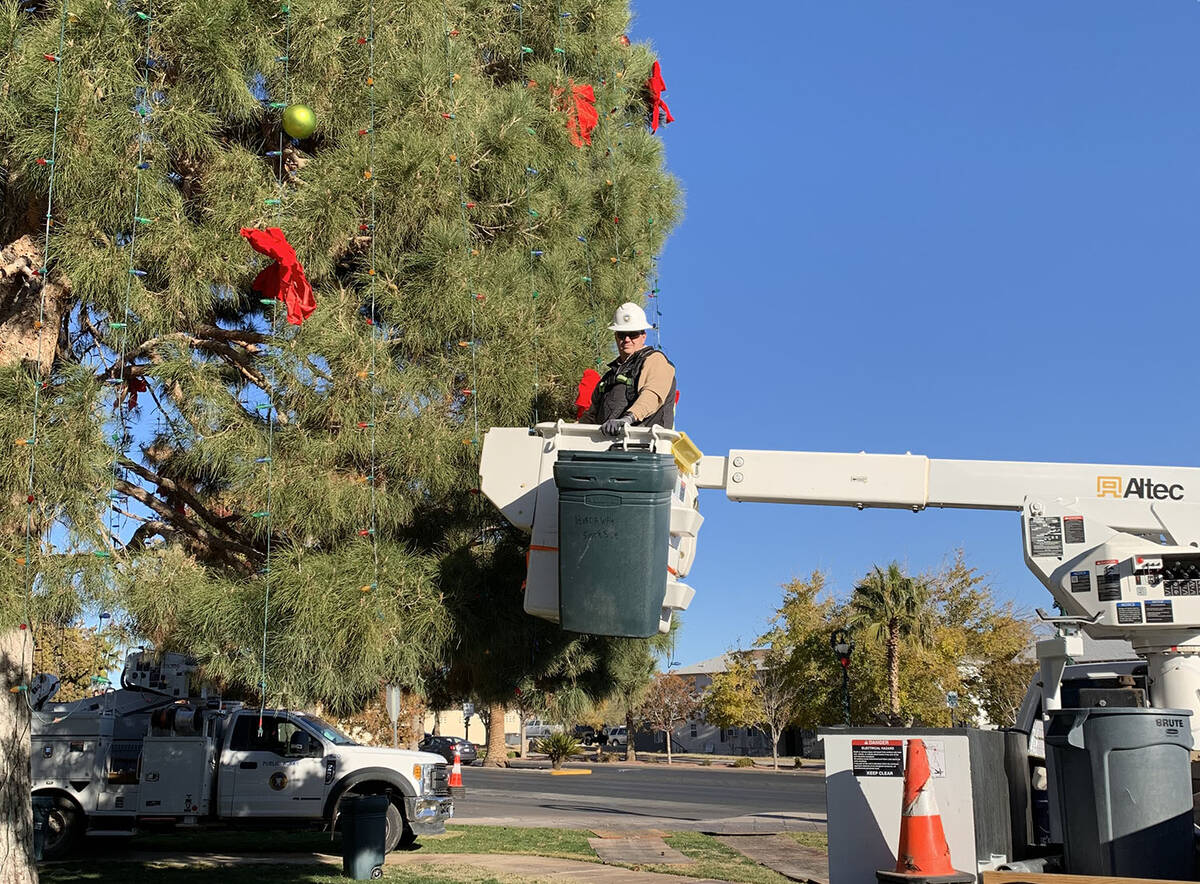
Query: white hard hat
x=629, y=317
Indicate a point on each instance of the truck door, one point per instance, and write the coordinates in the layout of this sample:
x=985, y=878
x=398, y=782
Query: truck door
x=277, y=774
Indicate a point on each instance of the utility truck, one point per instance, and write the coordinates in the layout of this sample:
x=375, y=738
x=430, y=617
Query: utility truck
x=149, y=756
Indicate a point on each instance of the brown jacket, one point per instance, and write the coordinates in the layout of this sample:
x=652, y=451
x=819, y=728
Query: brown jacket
x=654, y=382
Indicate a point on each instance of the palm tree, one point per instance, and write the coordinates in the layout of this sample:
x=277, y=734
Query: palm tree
x=892, y=606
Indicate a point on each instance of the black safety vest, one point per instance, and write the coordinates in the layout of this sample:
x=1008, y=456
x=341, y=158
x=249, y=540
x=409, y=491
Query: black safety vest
x=618, y=390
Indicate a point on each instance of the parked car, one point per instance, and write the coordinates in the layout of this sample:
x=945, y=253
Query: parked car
x=536, y=728
x=445, y=746
x=617, y=736
x=585, y=734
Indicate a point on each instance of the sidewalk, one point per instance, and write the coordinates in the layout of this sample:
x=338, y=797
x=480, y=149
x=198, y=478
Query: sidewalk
x=751, y=824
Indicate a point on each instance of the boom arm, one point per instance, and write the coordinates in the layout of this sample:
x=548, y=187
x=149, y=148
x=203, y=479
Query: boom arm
x=1117, y=546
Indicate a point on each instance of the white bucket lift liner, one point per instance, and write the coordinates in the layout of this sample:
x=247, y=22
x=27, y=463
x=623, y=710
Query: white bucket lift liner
x=517, y=475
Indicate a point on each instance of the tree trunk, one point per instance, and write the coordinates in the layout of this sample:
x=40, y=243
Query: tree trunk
x=417, y=729
x=16, y=816
x=893, y=665
x=497, y=751
x=630, y=752
x=524, y=740
x=437, y=723
x=774, y=749
x=668, y=734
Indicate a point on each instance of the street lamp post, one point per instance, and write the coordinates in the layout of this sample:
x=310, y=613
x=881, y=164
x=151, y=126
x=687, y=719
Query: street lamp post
x=843, y=647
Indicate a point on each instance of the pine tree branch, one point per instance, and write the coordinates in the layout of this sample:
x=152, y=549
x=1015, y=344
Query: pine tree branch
x=212, y=546
x=186, y=496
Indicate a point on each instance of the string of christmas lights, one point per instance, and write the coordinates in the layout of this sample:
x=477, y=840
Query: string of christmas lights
x=127, y=387
x=464, y=205
x=42, y=274
x=268, y=408
x=372, y=322
x=531, y=216
x=593, y=321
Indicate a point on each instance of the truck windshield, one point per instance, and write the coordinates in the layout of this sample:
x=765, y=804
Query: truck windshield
x=328, y=731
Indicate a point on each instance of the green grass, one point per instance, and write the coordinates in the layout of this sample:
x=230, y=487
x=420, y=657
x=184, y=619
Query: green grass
x=564, y=843
x=290, y=873
x=819, y=840
x=712, y=858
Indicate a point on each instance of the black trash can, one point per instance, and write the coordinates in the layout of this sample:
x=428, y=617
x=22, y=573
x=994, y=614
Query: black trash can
x=614, y=525
x=364, y=832
x=42, y=806
x=1124, y=786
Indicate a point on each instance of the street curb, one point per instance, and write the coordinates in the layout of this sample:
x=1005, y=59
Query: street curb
x=574, y=772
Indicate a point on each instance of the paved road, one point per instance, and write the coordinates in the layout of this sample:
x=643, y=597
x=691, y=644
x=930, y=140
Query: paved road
x=636, y=796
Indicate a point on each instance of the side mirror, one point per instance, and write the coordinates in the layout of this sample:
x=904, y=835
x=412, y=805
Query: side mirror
x=316, y=748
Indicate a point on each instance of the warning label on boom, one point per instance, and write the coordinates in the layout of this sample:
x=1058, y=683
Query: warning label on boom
x=877, y=758
x=1108, y=580
x=1081, y=581
x=1045, y=536
x=1073, y=529
x=1129, y=612
x=1159, y=611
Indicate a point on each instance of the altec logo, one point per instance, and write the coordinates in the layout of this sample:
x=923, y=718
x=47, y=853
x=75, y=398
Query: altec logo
x=1146, y=489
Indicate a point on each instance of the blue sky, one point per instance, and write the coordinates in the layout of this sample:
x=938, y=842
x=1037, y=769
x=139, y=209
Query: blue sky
x=956, y=228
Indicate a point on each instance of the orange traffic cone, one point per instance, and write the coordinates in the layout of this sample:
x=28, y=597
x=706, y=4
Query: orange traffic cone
x=923, y=854
x=456, y=783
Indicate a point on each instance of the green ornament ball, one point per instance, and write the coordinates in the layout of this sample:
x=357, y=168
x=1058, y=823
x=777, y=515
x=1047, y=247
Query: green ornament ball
x=299, y=121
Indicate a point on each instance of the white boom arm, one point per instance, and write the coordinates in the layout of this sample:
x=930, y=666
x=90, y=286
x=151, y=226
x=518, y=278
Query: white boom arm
x=1117, y=546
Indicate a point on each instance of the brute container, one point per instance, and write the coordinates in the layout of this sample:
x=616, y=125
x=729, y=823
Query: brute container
x=614, y=522
x=364, y=830
x=43, y=805
x=1124, y=786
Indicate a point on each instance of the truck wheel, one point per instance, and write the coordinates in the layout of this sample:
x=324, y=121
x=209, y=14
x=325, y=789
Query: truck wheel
x=398, y=833
x=64, y=828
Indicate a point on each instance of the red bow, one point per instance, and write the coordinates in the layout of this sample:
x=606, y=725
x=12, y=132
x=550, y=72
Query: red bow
x=587, y=386
x=582, y=115
x=285, y=278
x=657, y=87
x=134, y=385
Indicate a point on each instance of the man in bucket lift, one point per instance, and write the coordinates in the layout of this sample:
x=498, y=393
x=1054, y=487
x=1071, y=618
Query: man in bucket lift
x=639, y=386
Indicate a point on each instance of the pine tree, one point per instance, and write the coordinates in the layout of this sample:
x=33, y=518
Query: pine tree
x=294, y=504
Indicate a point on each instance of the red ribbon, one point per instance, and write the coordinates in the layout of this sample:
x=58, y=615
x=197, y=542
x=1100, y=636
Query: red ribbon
x=657, y=87
x=587, y=386
x=582, y=116
x=285, y=278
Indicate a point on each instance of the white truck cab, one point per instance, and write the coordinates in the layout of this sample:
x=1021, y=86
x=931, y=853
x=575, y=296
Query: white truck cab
x=136, y=757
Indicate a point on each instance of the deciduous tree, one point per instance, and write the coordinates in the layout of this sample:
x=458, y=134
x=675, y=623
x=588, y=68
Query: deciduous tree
x=669, y=702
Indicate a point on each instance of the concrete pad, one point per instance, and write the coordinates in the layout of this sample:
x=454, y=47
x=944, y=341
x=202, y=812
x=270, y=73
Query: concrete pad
x=760, y=824
x=636, y=851
x=783, y=855
x=629, y=833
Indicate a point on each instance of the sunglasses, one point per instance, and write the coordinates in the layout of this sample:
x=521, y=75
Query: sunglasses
x=623, y=335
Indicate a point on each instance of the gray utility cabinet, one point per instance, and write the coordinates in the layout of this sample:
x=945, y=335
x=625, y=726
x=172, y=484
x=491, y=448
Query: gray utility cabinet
x=864, y=784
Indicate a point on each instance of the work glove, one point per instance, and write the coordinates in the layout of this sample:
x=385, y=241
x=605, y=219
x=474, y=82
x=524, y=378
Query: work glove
x=613, y=427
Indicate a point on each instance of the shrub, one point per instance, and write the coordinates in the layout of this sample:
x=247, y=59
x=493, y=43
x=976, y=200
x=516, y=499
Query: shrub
x=797, y=763
x=744, y=761
x=706, y=762
x=558, y=748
